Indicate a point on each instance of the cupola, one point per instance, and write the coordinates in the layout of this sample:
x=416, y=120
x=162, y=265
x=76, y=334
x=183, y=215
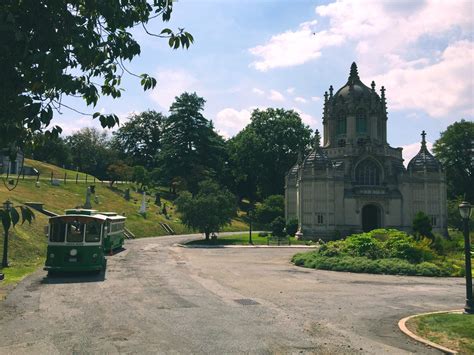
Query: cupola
x=424, y=160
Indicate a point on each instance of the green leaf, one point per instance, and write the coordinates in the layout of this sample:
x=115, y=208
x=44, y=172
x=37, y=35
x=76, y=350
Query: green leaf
x=15, y=217
x=166, y=31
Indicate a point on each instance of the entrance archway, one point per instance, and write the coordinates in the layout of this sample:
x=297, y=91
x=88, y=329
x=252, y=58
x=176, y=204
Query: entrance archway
x=371, y=218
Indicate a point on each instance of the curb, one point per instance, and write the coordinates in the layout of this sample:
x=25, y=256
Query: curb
x=242, y=246
x=404, y=329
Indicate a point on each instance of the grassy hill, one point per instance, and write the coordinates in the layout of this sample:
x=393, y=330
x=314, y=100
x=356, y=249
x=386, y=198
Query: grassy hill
x=28, y=243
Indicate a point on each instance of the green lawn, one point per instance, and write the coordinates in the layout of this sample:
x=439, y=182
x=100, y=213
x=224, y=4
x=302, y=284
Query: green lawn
x=243, y=239
x=454, y=331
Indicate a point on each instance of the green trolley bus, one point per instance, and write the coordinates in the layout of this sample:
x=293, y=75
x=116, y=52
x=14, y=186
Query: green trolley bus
x=80, y=239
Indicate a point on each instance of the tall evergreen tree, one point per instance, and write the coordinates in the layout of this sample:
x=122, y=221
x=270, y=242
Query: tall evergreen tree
x=191, y=150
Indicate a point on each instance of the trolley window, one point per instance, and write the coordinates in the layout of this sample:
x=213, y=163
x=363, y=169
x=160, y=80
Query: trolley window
x=93, y=232
x=57, y=232
x=75, y=232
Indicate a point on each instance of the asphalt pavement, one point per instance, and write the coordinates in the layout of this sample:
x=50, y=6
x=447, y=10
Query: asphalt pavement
x=157, y=297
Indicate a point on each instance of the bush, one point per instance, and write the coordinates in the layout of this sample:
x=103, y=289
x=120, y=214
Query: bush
x=422, y=226
x=292, y=227
x=278, y=227
x=272, y=207
x=336, y=248
x=364, y=245
x=263, y=234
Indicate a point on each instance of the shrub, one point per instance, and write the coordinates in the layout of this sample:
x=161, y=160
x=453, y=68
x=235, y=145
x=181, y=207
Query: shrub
x=292, y=227
x=263, y=234
x=364, y=245
x=332, y=248
x=278, y=227
x=403, y=246
x=422, y=226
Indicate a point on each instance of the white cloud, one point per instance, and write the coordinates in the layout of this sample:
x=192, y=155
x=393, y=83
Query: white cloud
x=258, y=91
x=439, y=88
x=276, y=96
x=290, y=90
x=230, y=121
x=171, y=83
x=410, y=150
x=301, y=100
x=308, y=119
x=315, y=98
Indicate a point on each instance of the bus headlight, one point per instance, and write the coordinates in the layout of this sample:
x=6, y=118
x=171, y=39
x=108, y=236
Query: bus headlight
x=73, y=252
x=51, y=255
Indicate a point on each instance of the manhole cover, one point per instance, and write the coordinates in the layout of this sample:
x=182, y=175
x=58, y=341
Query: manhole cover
x=246, y=302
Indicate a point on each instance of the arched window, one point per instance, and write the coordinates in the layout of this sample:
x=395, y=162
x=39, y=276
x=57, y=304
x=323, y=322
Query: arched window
x=368, y=173
x=341, y=125
x=361, y=122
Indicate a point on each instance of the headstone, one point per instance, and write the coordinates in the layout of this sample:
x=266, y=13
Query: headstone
x=55, y=182
x=126, y=195
x=96, y=199
x=143, y=205
x=37, y=184
x=92, y=189
x=158, y=199
x=88, y=198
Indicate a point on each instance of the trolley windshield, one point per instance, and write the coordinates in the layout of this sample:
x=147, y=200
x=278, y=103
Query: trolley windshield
x=75, y=230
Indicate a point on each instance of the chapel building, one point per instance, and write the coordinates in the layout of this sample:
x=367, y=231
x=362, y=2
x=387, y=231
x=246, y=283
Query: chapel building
x=355, y=181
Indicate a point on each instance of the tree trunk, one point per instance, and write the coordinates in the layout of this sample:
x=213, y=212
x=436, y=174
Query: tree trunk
x=207, y=235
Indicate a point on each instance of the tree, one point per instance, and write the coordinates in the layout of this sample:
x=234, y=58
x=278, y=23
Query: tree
x=263, y=152
x=139, y=139
x=140, y=176
x=191, y=150
x=52, y=48
x=455, y=150
x=119, y=171
x=291, y=227
x=422, y=226
x=278, y=227
x=91, y=151
x=209, y=210
x=49, y=148
x=272, y=207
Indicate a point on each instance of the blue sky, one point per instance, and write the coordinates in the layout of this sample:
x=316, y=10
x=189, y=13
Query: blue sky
x=269, y=53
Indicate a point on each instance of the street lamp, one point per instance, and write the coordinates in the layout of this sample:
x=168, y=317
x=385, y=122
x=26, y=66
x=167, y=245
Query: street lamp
x=7, y=206
x=465, y=212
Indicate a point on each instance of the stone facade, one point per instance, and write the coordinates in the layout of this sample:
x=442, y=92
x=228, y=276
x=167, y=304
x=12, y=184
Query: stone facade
x=355, y=181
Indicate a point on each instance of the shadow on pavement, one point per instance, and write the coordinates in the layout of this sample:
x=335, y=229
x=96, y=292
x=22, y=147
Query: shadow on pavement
x=72, y=277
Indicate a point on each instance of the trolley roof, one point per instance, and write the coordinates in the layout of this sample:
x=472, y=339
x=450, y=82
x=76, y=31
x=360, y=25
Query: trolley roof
x=88, y=213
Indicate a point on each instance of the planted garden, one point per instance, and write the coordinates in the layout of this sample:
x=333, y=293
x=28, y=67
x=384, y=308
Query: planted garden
x=389, y=251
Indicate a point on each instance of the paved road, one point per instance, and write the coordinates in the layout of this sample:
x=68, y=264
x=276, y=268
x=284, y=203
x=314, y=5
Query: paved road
x=160, y=298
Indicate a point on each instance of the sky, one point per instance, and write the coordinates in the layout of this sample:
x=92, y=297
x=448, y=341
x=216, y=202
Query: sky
x=274, y=53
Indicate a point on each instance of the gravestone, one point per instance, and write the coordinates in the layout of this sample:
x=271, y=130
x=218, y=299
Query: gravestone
x=55, y=182
x=143, y=205
x=88, y=199
x=158, y=199
x=126, y=195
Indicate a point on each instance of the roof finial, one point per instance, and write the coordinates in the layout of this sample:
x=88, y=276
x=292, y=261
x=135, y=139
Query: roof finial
x=354, y=75
x=372, y=85
x=331, y=89
x=317, y=139
x=423, y=140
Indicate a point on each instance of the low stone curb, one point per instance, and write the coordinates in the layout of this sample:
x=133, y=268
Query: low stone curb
x=244, y=246
x=404, y=329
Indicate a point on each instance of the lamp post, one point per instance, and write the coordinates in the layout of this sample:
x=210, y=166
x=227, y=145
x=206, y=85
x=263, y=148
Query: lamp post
x=465, y=212
x=7, y=206
x=250, y=214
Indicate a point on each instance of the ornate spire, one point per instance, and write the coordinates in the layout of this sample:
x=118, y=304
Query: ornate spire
x=331, y=89
x=354, y=75
x=372, y=85
x=317, y=139
x=423, y=140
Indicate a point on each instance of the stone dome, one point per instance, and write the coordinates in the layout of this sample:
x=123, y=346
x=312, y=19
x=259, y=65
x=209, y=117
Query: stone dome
x=424, y=159
x=317, y=158
x=354, y=87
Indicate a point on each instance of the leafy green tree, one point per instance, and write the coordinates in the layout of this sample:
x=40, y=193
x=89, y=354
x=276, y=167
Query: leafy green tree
x=52, y=48
x=140, y=176
x=91, y=151
x=455, y=150
x=263, y=152
x=139, y=139
x=49, y=148
x=422, y=226
x=209, y=210
x=272, y=207
x=292, y=227
x=191, y=149
x=278, y=227
x=119, y=171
